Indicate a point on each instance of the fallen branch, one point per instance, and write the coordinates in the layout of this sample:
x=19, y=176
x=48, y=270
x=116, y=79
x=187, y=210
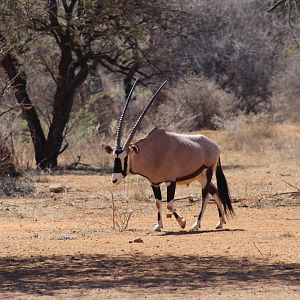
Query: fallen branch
x=287, y=193
x=78, y=166
x=295, y=187
x=190, y=198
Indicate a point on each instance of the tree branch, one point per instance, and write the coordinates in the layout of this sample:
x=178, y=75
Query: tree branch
x=281, y=2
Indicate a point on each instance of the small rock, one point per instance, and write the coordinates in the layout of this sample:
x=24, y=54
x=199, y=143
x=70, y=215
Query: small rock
x=138, y=240
x=56, y=188
x=66, y=237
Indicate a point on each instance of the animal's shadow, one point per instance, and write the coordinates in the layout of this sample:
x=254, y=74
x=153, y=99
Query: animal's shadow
x=192, y=232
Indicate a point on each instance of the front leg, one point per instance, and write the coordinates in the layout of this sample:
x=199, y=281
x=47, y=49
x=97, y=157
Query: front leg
x=171, y=187
x=158, y=202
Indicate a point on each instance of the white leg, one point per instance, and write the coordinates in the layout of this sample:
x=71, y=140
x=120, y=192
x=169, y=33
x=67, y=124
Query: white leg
x=171, y=186
x=222, y=219
x=204, y=179
x=158, y=202
x=197, y=223
x=159, y=224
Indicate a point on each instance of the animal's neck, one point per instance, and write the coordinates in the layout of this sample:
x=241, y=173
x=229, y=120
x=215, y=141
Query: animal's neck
x=136, y=165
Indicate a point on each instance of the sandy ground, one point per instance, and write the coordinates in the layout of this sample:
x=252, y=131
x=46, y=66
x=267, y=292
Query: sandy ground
x=69, y=246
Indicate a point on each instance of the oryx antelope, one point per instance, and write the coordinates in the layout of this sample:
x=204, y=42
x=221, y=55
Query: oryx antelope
x=168, y=157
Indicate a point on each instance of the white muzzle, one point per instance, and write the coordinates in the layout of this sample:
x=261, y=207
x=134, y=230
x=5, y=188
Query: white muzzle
x=117, y=178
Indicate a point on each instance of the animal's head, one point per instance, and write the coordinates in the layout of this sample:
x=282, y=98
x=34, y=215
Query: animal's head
x=120, y=153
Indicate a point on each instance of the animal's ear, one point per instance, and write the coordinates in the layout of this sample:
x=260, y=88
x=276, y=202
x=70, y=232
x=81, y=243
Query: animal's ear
x=108, y=149
x=134, y=148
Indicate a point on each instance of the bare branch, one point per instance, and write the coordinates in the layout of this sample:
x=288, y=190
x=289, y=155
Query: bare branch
x=45, y=64
x=291, y=6
x=17, y=106
x=281, y=2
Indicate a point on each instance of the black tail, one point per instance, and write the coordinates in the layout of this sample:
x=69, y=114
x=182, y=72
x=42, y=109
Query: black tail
x=223, y=190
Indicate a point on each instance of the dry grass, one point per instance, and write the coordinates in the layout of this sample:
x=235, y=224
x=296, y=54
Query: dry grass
x=249, y=132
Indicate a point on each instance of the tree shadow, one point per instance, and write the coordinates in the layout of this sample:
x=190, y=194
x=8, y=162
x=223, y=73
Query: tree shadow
x=48, y=275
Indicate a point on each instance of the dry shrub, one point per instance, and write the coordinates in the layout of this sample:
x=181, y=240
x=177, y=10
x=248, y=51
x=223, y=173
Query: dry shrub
x=286, y=100
x=287, y=141
x=87, y=151
x=7, y=167
x=248, y=132
x=11, y=183
x=137, y=188
x=17, y=186
x=193, y=104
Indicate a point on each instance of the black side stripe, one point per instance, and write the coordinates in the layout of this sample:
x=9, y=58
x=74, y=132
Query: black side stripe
x=183, y=178
x=196, y=173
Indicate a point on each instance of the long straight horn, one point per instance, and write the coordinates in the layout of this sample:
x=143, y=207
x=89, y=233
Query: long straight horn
x=129, y=139
x=121, y=119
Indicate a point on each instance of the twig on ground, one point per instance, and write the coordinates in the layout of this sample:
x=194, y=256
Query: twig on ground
x=287, y=193
x=190, y=198
x=295, y=187
x=257, y=248
x=113, y=210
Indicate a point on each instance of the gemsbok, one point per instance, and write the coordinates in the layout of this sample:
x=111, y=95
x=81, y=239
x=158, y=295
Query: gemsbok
x=172, y=158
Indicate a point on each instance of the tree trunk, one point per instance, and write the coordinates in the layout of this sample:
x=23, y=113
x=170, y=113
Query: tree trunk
x=47, y=150
x=18, y=79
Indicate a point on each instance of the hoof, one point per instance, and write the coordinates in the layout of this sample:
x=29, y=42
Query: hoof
x=169, y=215
x=195, y=227
x=157, y=228
x=182, y=223
x=221, y=224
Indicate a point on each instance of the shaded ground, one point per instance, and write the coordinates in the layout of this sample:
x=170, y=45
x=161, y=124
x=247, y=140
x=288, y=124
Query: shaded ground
x=69, y=246
x=47, y=276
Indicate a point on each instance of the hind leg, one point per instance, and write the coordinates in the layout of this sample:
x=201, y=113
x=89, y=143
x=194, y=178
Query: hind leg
x=214, y=192
x=205, y=180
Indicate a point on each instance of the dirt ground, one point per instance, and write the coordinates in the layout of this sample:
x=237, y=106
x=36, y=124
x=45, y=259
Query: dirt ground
x=69, y=246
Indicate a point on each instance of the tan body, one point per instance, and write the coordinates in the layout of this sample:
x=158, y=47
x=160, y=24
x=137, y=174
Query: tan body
x=164, y=156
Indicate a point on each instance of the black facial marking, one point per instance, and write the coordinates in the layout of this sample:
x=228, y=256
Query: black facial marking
x=118, y=151
x=117, y=165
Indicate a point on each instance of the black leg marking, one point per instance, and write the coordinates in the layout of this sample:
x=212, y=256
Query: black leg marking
x=171, y=191
x=220, y=213
x=158, y=198
x=175, y=214
x=207, y=189
x=156, y=191
x=212, y=189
